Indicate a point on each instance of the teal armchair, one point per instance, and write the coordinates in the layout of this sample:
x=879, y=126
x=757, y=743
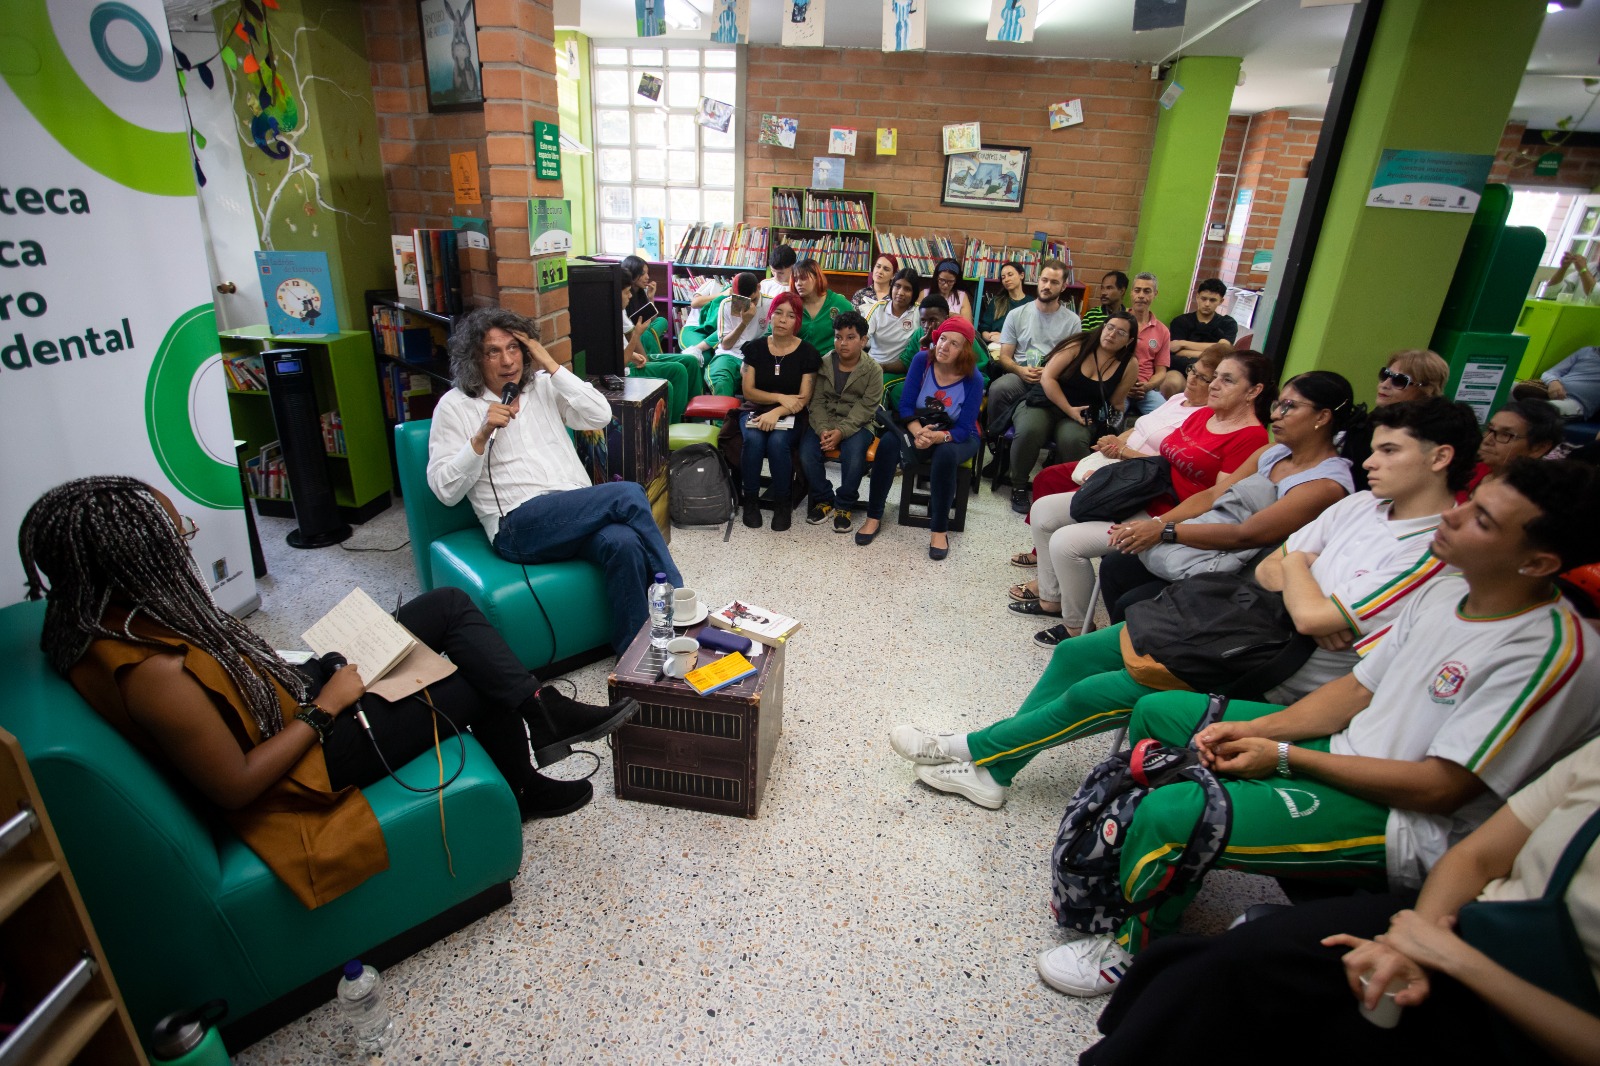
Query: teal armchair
x=187, y=913
x=566, y=615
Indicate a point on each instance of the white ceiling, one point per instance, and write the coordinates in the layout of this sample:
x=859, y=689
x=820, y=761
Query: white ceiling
x=1287, y=49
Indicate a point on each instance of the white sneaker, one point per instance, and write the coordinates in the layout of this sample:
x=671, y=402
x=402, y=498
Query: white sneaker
x=965, y=779
x=1092, y=966
x=921, y=746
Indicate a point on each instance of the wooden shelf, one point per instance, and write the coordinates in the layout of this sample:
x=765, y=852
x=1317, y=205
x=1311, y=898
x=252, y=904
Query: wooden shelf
x=20, y=880
x=77, y=1025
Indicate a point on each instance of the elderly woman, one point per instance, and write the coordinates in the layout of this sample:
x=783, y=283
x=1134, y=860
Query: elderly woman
x=884, y=268
x=1410, y=374
x=819, y=307
x=946, y=283
x=939, y=411
x=780, y=373
x=1521, y=429
x=271, y=746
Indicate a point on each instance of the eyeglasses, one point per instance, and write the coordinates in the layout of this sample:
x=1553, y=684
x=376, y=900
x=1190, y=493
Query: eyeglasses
x=1114, y=331
x=1503, y=436
x=187, y=527
x=1399, y=380
x=1204, y=379
x=1283, y=407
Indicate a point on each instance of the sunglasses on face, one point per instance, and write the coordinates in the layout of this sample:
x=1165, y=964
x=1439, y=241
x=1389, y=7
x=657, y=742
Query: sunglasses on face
x=1399, y=380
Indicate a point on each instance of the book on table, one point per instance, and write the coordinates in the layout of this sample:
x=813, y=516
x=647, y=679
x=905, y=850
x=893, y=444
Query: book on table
x=720, y=673
x=758, y=623
x=392, y=663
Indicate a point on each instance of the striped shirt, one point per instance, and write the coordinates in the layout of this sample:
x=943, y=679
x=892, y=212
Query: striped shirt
x=1503, y=697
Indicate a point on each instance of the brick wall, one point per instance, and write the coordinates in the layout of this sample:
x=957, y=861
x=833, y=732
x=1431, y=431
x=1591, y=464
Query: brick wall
x=1273, y=147
x=1580, y=167
x=1084, y=182
x=1222, y=193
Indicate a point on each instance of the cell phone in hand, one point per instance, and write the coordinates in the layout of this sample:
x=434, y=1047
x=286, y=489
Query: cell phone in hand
x=646, y=313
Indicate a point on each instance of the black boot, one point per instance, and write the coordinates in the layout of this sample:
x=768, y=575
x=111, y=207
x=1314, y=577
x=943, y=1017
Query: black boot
x=557, y=721
x=782, y=513
x=546, y=797
x=752, y=514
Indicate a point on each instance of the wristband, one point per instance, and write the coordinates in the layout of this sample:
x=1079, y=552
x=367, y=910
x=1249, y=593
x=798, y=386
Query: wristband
x=317, y=719
x=1283, y=759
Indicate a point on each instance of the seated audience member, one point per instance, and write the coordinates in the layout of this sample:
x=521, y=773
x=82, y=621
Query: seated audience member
x=699, y=333
x=892, y=322
x=1579, y=289
x=1026, y=338
x=1192, y=333
x=782, y=261
x=819, y=307
x=1372, y=557
x=849, y=389
x=1142, y=438
x=267, y=745
x=946, y=283
x=884, y=268
x=739, y=321
x=1218, y=531
x=996, y=305
x=1572, y=385
x=1520, y=429
x=1410, y=374
x=1310, y=966
x=680, y=371
x=1482, y=681
x=1113, y=287
x=530, y=491
x=1086, y=379
x=931, y=313
x=780, y=375
x=1155, y=346
x=1227, y=434
x=939, y=410
x=708, y=290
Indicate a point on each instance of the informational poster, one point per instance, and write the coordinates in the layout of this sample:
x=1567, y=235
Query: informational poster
x=109, y=360
x=732, y=22
x=1011, y=21
x=1479, y=385
x=905, y=25
x=549, y=226
x=1429, y=181
x=547, y=151
x=802, y=23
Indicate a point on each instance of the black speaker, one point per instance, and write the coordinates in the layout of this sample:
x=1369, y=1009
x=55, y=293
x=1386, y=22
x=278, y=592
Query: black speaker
x=299, y=424
x=594, y=301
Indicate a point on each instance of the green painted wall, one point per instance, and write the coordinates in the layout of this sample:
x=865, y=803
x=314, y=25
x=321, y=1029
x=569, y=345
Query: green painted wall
x=1441, y=77
x=1183, y=168
x=328, y=196
x=577, y=122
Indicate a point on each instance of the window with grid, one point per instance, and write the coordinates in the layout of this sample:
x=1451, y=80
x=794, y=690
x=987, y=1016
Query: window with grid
x=652, y=159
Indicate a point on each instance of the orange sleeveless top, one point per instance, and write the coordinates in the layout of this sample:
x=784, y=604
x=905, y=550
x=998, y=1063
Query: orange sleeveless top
x=319, y=842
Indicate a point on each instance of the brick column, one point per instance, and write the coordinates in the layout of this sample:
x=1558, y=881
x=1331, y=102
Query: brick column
x=516, y=42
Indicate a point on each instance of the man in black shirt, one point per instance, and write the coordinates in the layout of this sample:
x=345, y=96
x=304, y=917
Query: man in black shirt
x=1198, y=330
x=1113, y=287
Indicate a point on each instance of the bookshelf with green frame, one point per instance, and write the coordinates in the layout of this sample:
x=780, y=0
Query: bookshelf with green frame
x=833, y=226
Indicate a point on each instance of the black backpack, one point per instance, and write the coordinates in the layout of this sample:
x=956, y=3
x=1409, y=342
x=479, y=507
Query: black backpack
x=1086, y=887
x=700, y=488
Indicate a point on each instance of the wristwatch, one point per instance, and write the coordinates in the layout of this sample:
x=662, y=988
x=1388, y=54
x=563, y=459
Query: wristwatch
x=317, y=719
x=1283, y=759
x=1169, y=533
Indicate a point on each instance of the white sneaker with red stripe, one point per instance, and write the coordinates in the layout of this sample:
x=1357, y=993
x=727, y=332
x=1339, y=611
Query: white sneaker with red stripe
x=1092, y=966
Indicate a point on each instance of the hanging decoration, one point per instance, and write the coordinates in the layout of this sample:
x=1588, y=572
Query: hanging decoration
x=905, y=25
x=841, y=141
x=1011, y=21
x=1066, y=113
x=1158, y=14
x=802, y=23
x=888, y=140
x=733, y=22
x=272, y=108
x=778, y=131
x=647, y=18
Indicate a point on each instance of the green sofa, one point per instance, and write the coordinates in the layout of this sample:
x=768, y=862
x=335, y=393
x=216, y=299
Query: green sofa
x=449, y=547
x=187, y=913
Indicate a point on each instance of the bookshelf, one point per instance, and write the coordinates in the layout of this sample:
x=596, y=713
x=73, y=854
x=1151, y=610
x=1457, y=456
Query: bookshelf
x=341, y=367
x=412, y=349
x=833, y=226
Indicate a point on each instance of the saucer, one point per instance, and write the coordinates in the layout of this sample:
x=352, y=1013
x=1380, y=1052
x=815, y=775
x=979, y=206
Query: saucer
x=699, y=616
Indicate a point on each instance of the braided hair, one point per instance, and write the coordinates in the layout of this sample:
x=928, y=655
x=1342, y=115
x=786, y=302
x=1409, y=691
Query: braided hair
x=99, y=539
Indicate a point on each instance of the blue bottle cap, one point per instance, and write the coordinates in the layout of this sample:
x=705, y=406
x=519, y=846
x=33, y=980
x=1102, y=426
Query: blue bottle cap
x=661, y=578
x=353, y=970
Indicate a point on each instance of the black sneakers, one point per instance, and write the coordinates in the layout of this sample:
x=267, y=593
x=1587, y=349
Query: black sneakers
x=557, y=721
x=818, y=513
x=546, y=797
x=1021, y=500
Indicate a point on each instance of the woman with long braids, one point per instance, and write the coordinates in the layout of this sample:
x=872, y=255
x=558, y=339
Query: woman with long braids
x=131, y=624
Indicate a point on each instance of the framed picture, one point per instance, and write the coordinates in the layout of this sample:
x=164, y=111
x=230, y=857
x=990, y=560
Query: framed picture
x=992, y=178
x=450, y=55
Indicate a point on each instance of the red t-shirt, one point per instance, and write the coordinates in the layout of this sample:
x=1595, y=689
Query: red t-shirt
x=1199, y=456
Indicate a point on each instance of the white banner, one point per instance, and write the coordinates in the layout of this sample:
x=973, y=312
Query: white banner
x=108, y=349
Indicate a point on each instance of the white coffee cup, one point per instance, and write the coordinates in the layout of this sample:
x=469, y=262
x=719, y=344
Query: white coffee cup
x=685, y=605
x=682, y=652
x=1386, y=1015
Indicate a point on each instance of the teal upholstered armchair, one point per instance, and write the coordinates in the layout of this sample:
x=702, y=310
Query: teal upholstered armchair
x=569, y=617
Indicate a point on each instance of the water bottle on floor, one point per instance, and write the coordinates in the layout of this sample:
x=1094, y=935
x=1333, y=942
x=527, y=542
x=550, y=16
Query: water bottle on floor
x=361, y=1003
x=660, y=612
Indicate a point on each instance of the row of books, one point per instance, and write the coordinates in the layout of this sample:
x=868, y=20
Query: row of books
x=921, y=254
x=333, y=433
x=245, y=373
x=268, y=476
x=819, y=212
x=723, y=244
x=401, y=336
x=407, y=394
x=984, y=260
x=684, y=288
x=432, y=276
x=836, y=253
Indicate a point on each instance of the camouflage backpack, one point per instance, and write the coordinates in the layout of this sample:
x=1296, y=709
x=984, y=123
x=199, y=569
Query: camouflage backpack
x=1086, y=890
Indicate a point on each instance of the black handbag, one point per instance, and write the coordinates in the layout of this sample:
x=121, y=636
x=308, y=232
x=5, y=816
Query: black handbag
x=1121, y=489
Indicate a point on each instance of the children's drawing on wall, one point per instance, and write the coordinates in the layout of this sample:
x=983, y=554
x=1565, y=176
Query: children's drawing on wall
x=647, y=17
x=841, y=142
x=803, y=27
x=649, y=87
x=888, y=140
x=714, y=114
x=733, y=22
x=961, y=138
x=905, y=25
x=450, y=54
x=1011, y=21
x=1066, y=113
x=778, y=131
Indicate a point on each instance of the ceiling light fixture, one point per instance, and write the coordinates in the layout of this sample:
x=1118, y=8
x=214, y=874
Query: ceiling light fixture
x=1045, y=7
x=681, y=15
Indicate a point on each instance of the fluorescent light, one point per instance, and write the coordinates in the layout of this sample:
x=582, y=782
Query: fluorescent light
x=1045, y=7
x=681, y=15
x=1552, y=8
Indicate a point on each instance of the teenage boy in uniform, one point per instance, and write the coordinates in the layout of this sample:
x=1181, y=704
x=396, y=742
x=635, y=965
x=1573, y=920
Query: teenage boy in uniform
x=782, y=262
x=849, y=389
x=1483, y=681
x=1155, y=347
x=1196, y=331
x=1113, y=287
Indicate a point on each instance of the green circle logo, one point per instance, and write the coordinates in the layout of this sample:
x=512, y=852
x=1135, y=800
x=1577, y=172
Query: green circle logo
x=100, y=21
x=193, y=471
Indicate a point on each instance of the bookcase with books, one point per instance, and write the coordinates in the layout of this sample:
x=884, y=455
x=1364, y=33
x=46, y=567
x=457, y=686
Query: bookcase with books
x=412, y=349
x=833, y=226
x=349, y=409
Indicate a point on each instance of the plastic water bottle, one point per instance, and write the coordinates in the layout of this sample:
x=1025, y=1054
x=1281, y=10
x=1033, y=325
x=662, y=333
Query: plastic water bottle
x=361, y=1003
x=660, y=612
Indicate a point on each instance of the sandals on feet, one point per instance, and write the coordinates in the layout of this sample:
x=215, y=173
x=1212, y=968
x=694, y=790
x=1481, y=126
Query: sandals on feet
x=1022, y=592
x=1031, y=607
x=1027, y=558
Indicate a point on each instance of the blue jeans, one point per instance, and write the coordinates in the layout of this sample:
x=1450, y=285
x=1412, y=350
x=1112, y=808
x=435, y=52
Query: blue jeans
x=1152, y=399
x=609, y=525
x=776, y=447
x=852, y=467
x=943, y=460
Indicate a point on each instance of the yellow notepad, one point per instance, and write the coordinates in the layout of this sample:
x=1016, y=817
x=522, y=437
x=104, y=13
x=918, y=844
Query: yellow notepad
x=725, y=671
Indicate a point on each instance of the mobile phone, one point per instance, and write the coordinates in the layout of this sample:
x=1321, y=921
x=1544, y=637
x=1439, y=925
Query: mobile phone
x=646, y=313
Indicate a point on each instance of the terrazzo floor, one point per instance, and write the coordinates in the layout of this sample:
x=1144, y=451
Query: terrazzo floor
x=861, y=918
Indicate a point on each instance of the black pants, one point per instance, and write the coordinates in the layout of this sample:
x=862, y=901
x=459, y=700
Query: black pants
x=1125, y=581
x=484, y=695
x=1269, y=988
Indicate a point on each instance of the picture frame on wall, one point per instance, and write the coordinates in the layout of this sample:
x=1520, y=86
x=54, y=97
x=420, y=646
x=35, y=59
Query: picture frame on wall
x=994, y=178
x=450, y=55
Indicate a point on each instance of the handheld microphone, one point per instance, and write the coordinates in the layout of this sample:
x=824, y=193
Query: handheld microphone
x=507, y=394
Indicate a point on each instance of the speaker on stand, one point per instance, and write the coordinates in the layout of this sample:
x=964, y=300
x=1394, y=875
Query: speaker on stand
x=299, y=423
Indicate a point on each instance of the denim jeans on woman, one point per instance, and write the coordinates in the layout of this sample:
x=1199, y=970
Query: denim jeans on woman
x=943, y=459
x=852, y=467
x=777, y=448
